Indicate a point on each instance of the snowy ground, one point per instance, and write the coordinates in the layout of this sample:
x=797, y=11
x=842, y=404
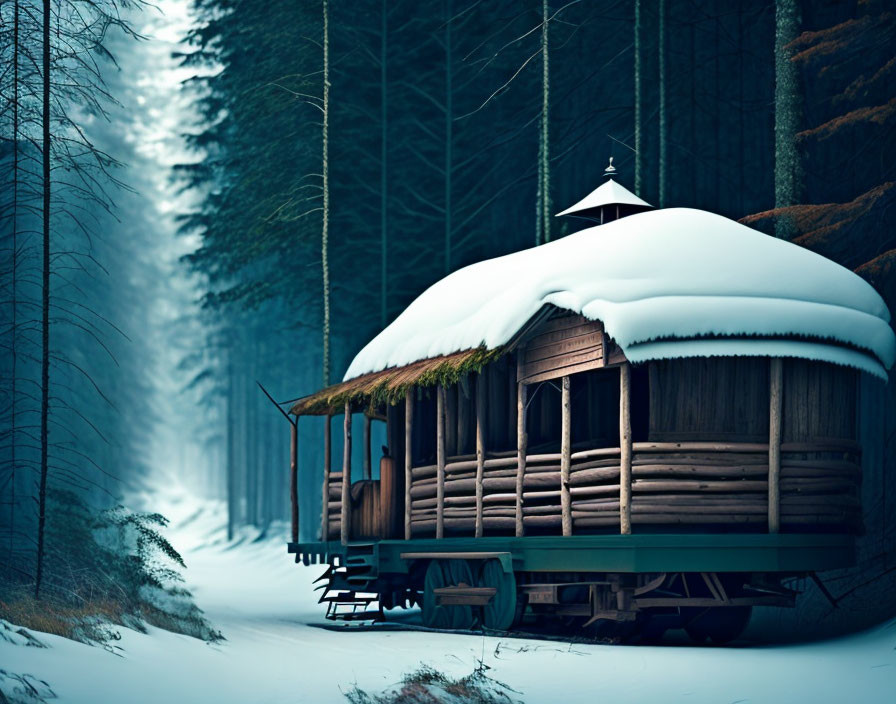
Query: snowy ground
x=263, y=603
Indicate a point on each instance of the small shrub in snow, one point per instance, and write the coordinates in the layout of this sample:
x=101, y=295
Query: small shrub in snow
x=105, y=568
x=429, y=686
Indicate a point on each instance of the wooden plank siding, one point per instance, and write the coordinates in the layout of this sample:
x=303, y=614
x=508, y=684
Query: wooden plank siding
x=819, y=401
x=563, y=345
x=715, y=398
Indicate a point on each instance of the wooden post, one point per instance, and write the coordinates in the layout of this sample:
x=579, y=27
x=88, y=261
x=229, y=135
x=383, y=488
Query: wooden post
x=521, y=442
x=776, y=398
x=565, y=458
x=480, y=450
x=346, y=502
x=367, y=465
x=625, y=450
x=294, y=477
x=440, y=461
x=325, y=511
x=408, y=463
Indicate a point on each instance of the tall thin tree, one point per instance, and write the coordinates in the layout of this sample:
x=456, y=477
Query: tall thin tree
x=787, y=109
x=384, y=155
x=544, y=136
x=663, y=130
x=449, y=135
x=45, y=303
x=13, y=438
x=639, y=98
x=325, y=176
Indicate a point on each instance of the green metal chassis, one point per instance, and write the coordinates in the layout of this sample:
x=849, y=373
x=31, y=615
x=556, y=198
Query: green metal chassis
x=782, y=552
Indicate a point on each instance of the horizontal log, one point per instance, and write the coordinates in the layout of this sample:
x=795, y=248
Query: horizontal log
x=490, y=522
x=672, y=519
x=699, y=447
x=681, y=512
x=652, y=501
x=426, y=526
x=582, y=473
x=651, y=450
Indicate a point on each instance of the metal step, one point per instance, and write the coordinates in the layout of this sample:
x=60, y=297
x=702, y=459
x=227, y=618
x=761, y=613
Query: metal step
x=346, y=598
x=348, y=606
x=361, y=616
x=344, y=585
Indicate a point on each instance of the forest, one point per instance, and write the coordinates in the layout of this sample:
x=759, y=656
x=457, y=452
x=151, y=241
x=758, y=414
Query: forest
x=300, y=171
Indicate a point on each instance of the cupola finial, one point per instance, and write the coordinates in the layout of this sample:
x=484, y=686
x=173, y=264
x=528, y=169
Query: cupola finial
x=610, y=170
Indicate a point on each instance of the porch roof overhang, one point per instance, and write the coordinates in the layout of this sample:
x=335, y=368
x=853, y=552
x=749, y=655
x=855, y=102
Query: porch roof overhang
x=389, y=385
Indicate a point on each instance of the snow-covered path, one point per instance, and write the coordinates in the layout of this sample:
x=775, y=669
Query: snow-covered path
x=263, y=604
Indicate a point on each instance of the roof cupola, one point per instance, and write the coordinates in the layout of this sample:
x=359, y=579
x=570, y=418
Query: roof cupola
x=610, y=201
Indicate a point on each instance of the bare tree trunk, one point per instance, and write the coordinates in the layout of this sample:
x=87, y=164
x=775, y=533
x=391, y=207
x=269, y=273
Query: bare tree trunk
x=787, y=108
x=539, y=221
x=661, y=51
x=247, y=422
x=384, y=116
x=45, y=307
x=325, y=234
x=294, y=480
x=544, y=152
x=15, y=259
x=741, y=185
x=639, y=96
x=448, y=135
x=231, y=452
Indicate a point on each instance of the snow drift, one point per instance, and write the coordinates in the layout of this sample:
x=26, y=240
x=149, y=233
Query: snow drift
x=676, y=282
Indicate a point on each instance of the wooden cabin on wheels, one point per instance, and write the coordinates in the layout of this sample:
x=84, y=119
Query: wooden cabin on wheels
x=648, y=423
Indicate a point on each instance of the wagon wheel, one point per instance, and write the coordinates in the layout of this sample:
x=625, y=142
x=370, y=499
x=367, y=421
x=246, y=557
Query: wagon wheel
x=446, y=573
x=504, y=608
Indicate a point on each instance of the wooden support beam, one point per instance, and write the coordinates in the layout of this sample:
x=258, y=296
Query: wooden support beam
x=565, y=459
x=294, y=478
x=345, y=518
x=408, y=458
x=480, y=450
x=625, y=450
x=367, y=460
x=440, y=461
x=776, y=399
x=521, y=442
x=324, y=518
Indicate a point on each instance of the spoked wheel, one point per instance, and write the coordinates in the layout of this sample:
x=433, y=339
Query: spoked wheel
x=721, y=624
x=505, y=608
x=446, y=573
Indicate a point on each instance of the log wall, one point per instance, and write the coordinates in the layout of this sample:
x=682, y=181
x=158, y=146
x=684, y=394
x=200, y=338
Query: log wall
x=684, y=488
x=702, y=463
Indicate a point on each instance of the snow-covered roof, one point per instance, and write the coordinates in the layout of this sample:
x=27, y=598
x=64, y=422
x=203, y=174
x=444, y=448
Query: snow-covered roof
x=608, y=193
x=668, y=283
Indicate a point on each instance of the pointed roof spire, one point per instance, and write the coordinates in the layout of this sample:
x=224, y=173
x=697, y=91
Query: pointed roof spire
x=609, y=193
x=610, y=170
